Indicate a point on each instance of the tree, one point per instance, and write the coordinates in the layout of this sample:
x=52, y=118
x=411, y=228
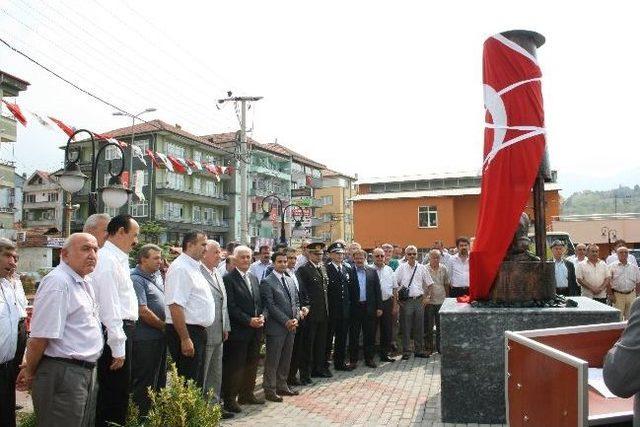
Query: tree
x=152, y=230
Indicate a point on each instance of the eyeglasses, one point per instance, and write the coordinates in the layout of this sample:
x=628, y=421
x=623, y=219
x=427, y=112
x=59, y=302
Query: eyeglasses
x=411, y=254
x=378, y=256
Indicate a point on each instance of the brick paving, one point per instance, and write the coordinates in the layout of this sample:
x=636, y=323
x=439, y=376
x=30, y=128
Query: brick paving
x=403, y=393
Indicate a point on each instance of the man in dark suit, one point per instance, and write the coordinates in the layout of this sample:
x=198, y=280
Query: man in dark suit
x=313, y=281
x=366, y=303
x=565, y=271
x=292, y=380
x=340, y=274
x=282, y=307
x=242, y=348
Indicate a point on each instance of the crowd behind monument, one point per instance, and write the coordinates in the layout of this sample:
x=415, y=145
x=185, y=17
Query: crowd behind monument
x=101, y=331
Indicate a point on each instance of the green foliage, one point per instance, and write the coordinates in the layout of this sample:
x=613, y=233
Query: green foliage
x=151, y=230
x=619, y=200
x=27, y=419
x=133, y=414
x=181, y=404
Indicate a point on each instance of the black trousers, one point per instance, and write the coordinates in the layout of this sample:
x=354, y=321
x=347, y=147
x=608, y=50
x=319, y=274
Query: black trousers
x=386, y=327
x=22, y=346
x=602, y=300
x=114, y=386
x=458, y=292
x=239, y=368
x=361, y=321
x=431, y=319
x=191, y=368
x=314, y=349
x=149, y=369
x=296, y=354
x=338, y=329
x=7, y=394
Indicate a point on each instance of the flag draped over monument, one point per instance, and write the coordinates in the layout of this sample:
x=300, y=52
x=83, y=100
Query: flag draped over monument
x=514, y=144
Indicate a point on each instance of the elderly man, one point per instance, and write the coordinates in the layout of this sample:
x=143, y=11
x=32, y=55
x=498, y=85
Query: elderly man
x=218, y=332
x=352, y=248
x=565, y=271
x=304, y=310
x=189, y=309
x=282, y=306
x=149, y=364
x=436, y=295
x=242, y=349
x=9, y=319
x=66, y=339
x=414, y=277
x=580, y=255
x=614, y=255
x=340, y=277
x=118, y=309
x=366, y=307
x=458, y=267
x=303, y=257
x=624, y=281
x=96, y=225
x=388, y=286
x=592, y=275
x=260, y=268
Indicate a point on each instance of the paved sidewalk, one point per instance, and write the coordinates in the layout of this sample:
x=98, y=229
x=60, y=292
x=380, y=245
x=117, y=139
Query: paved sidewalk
x=402, y=393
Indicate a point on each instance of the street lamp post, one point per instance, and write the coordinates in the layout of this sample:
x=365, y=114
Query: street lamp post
x=606, y=231
x=114, y=194
x=283, y=209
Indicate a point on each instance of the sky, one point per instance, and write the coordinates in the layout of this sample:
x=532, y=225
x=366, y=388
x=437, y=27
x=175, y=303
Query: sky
x=366, y=87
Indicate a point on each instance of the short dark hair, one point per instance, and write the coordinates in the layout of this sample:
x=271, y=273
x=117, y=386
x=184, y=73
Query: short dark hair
x=619, y=242
x=276, y=254
x=145, y=251
x=264, y=247
x=280, y=247
x=231, y=246
x=191, y=237
x=118, y=222
x=462, y=239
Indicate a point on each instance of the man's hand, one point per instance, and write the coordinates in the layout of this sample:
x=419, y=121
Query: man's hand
x=396, y=309
x=25, y=378
x=256, y=322
x=304, y=312
x=291, y=325
x=612, y=297
x=225, y=335
x=116, y=363
x=186, y=347
x=424, y=301
x=378, y=313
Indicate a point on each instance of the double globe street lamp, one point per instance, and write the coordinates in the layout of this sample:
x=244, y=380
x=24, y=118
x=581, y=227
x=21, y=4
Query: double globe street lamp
x=72, y=180
x=297, y=213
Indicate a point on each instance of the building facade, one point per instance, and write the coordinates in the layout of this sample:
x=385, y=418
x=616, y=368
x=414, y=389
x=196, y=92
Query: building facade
x=421, y=209
x=179, y=202
x=335, y=206
x=43, y=203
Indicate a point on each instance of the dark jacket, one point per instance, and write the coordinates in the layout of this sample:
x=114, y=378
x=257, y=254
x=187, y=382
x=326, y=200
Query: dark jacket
x=373, y=292
x=280, y=306
x=338, y=291
x=574, y=288
x=313, y=284
x=242, y=306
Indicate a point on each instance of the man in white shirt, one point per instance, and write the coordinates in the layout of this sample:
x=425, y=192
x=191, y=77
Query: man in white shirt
x=592, y=275
x=190, y=308
x=388, y=287
x=96, y=225
x=614, y=255
x=458, y=267
x=624, y=279
x=579, y=256
x=303, y=257
x=66, y=340
x=9, y=318
x=259, y=268
x=118, y=309
x=415, y=277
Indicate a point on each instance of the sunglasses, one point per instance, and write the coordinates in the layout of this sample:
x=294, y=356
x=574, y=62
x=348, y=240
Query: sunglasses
x=411, y=254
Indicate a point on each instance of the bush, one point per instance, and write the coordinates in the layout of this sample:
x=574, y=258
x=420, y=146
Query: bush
x=181, y=404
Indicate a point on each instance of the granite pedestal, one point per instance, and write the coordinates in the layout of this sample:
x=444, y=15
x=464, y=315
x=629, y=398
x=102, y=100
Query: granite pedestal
x=472, y=345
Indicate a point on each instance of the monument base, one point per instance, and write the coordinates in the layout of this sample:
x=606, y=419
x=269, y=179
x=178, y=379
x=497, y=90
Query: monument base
x=472, y=345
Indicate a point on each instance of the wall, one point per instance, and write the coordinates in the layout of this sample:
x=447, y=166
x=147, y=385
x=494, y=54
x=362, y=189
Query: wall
x=33, y=259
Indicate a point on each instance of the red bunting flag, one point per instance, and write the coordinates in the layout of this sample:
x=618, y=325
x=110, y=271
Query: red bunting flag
x=177, y=166
x=153, y=158
x=514, y=144
x=17, y=113
x=66, y=129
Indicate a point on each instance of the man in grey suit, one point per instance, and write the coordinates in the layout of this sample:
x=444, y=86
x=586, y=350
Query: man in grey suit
x=621, y=369
x=218, y=332
x=280, y=298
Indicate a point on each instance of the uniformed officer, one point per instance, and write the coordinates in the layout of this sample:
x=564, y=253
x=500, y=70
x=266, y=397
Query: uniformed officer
x=340, y=276
x=314, y=281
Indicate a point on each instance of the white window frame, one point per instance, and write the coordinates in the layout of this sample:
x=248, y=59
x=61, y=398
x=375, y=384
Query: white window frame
x=198, y=209
x=431, y=222
x=139, y=209
x=197, y=185
x=175, y=150
x=143, y=144
x=112, y=153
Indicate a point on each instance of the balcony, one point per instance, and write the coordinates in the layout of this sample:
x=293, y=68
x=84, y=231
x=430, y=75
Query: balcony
x=7, y=129
x=7, y=210
x=188, y=195
x=285, y=176
x=263, y=192
x=41, y=205
x=174, y=223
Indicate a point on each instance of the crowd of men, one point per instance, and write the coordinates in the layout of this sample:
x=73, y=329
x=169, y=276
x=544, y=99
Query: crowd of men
x=101, y=331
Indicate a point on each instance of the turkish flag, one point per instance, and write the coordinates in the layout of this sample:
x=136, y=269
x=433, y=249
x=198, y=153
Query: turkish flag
x=178, y=167
x=514, y=142
x=16, y=111
x=64, y=127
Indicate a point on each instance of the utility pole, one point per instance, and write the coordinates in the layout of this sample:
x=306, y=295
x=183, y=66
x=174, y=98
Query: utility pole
x=242, y=163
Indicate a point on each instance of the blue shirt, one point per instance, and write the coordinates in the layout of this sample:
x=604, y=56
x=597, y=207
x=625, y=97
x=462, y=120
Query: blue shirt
x=562, y=274
x=150, y=292
x=362, y=282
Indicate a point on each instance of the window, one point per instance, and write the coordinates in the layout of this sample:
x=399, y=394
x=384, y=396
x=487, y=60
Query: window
x=175, y=180
x=143, y=144
x=209, y=188
x=112, y=152
x=197, y=185
x=197, y=214
x=53, y=197
x=197, y=155
x=327, y=200
x=30, y=198
x=210, y=216
x=139, y=209
x=31, y=216
x=175, y=150
x=172, y=211
x=427, y=216
x=112, y=211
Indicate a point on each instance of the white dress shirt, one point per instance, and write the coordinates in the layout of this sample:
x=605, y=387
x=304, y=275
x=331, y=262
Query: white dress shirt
x=387, y=281
x=624, y=277
x=186, y=286
x=614, y=258
x=23, y=302
x=594, y=275
x=65, y=312
x=421, y=280
x=300, y=261
x=222, y=268
x=259, y=269
x=574, y=259
x=293, y=276
x=9, y=318
x=115, y=295
x=458, y=270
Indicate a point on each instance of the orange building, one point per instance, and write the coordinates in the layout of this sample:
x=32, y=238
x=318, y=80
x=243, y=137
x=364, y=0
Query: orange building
x=421, y=209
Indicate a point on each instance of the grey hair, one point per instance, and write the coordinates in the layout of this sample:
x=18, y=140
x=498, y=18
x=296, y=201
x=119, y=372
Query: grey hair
x=241, y=248
x=146, y=249
x=68, y=242
x=411, y=247
x=212, y=242
x=435, y=252
x=386, y=246
x=92, y=222
x=6, y=244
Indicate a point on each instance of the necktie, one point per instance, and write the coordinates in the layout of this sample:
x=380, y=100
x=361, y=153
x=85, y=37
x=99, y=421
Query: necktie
x=286, y=288
x=248, y=282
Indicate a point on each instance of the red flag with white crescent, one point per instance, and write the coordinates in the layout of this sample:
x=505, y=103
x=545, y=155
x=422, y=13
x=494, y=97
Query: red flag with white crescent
x=514, y=142
x=17, y=112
